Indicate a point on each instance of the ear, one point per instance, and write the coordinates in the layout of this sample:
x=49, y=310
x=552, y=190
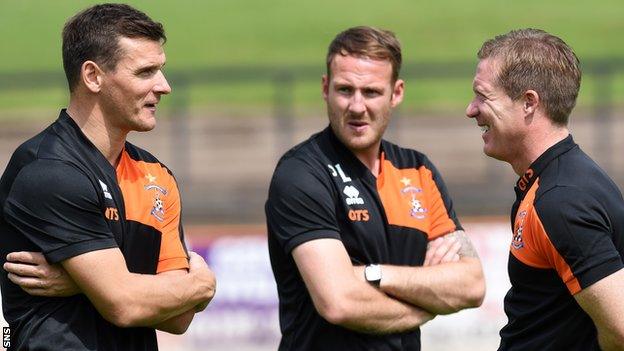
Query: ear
x=531, y=101
x=92, y=76
x=397, y=92
x=325, y=86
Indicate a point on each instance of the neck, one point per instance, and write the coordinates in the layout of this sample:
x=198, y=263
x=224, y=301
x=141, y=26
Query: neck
x=97, y=128
x=536, y=145
x=370, y=158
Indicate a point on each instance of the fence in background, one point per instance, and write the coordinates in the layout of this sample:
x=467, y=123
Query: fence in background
x=224, y=164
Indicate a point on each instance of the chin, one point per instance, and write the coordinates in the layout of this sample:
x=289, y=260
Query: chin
x=143, y=127
x=494, y=155
x=145, y=124
x=358, y=143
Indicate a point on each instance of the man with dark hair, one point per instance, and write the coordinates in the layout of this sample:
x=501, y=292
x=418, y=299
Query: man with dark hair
x=350, y=217
x=105, y=214
x=565, y=262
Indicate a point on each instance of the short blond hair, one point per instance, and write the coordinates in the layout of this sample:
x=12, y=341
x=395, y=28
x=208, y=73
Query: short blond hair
x=370, y=42
x=532, y=59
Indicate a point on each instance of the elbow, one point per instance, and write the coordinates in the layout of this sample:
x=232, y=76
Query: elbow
x=476, y=294
x=611, y=341
x=334, y=311
x=474, y=290
x=473, y=294
x=118, y=315
x=179, y=329
x=120, y=312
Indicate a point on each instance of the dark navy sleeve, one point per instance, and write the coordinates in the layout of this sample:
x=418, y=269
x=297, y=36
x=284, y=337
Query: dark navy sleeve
x=578, y=226
x=56, y=207
x=300, y=206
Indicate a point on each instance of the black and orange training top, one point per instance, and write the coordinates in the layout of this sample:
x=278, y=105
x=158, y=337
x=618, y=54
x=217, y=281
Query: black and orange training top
x=321, y=190
x=60, y=196
x=568, y=233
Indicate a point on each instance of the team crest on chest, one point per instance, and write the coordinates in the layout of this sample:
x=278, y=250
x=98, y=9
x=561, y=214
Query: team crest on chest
x=158, y=204
x=412, y=194
x=517, y=242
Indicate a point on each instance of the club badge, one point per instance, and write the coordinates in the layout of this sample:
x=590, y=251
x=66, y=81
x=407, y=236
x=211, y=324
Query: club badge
x=517, y=242
x=158, y=204
x=412, y=193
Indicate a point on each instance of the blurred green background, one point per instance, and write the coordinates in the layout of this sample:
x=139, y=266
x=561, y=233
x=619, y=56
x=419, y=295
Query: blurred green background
x=278, y=33
x=233, y=113
x=246, y=75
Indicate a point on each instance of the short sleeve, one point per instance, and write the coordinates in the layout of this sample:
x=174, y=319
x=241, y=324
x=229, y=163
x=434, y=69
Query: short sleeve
x=444, y=219
x=56, y=206
x=173, y=253
x=578, y=228
x=301, y=205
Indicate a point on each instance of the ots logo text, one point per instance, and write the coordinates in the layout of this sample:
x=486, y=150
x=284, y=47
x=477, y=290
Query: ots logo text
x=359, y=215
x=111, y=214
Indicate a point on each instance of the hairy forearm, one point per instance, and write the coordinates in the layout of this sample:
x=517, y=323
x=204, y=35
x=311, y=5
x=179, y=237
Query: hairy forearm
x=344, y=298
x=365, y=309
x=440, y=289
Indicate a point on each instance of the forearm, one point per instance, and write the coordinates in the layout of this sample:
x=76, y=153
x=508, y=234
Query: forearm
x=363, y=308
x=152, y=299
x=129, y=299
x=608, y=343
x=178, y=324
x=440, y=289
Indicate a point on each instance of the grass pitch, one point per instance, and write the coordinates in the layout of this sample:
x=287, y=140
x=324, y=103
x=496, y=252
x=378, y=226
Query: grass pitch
x=280, y=32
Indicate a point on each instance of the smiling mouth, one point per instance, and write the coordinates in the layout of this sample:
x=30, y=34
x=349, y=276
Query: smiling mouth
x=484, y=128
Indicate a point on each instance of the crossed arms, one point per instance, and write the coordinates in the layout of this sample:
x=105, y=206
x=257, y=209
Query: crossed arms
x=166, y=301
x=451, y=280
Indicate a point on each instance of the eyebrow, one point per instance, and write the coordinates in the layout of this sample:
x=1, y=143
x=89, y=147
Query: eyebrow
x=477, y=88
x=149, y=67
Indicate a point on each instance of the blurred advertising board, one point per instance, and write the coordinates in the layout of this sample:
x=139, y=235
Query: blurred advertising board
x=244, y=312
x=243, y=316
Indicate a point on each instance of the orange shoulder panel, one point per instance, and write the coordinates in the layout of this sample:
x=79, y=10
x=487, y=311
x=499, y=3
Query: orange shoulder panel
x=412, y=199
x=151, y=197
x=537, y=250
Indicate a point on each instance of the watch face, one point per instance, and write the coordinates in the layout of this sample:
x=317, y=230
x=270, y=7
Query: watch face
x=373, y=273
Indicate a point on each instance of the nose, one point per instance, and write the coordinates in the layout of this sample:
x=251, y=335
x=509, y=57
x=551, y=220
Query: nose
x=472, y=110
x=357, y=105
x=162, y=86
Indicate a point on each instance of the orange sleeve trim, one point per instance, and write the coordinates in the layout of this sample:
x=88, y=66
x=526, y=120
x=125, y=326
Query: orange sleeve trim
x=554, y=258
x=536, y=248
x=171, y=242
x=151, y=197
x=411, y=198
x=441, y=222
x=172, y=264
x=549, y=257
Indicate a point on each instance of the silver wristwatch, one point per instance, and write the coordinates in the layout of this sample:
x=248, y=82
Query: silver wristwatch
x=372, y=273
